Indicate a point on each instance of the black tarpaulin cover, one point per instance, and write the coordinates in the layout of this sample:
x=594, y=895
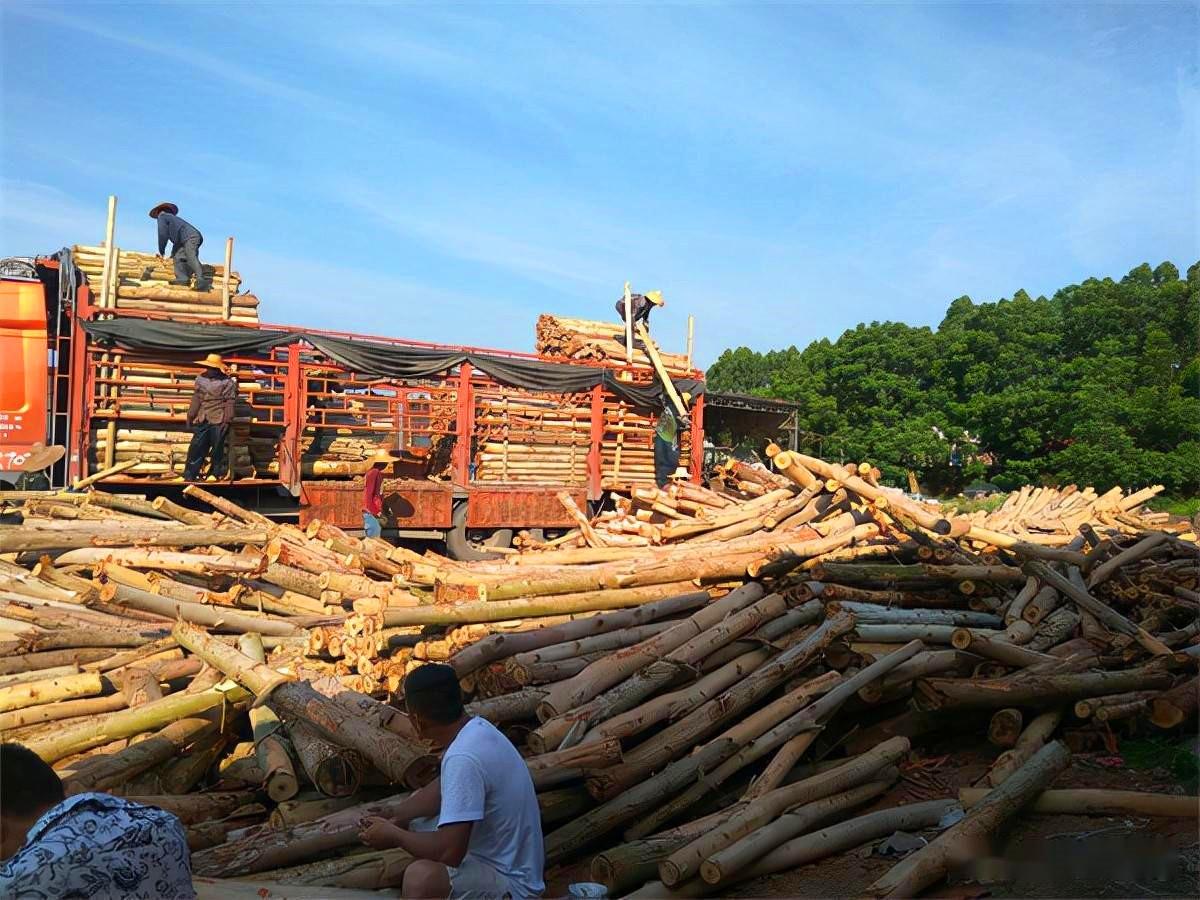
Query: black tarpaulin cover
x=374, y=359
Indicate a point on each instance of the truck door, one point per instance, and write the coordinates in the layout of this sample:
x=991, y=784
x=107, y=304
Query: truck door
x=23, y=370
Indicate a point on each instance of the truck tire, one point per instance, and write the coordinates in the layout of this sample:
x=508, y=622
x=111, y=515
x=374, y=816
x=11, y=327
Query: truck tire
x=460, y=545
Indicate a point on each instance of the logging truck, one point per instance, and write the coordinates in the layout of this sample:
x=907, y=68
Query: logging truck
x=489, y=439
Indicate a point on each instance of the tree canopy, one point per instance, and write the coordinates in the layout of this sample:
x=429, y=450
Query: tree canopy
x=1099, y=384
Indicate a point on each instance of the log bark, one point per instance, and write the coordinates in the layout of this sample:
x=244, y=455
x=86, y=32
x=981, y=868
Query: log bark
x=333, y=770
x=960, y=842
x=50, y=690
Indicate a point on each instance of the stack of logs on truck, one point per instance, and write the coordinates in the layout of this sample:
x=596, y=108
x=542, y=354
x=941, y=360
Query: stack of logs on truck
x=487, y=438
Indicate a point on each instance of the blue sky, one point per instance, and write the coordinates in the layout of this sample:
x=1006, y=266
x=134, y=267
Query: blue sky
x=447, y=172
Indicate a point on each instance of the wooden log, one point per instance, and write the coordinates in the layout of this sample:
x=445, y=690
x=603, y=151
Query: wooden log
x=993, y=648
x=1032, y=739
x=99, y=773
x=1099, y=802
x=201, y=614
x=686, y=862
x=64, y=709
x=395, y=757
x=333, y=770
x=1177, y=705
x=1104, y=613
x=808, y=719
x=602, y=675
x=722, y=865
x=507, y=610
x=100, y=730
x=966, y=838
x=271, y=744
x=508, y=708
x=50, y=690
x=1005, y=727
x=1034, y=690
x=1140, y=550
x=500, y=645
x=35, y=662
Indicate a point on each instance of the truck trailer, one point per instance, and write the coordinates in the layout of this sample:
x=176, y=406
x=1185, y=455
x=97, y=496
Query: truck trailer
x=488, y=439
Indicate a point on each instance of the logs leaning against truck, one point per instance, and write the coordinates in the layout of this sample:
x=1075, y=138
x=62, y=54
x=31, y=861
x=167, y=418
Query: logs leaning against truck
x=709, y=685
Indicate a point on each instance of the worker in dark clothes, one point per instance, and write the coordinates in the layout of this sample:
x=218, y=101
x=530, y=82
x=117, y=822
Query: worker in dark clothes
x=373, y=493
x=666, y=440
x=185, y=241
x=640, y=306
x=209, y=417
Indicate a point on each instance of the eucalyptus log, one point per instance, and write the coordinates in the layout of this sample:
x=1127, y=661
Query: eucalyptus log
x=395, y=757
x=1177, y=705
x=271, y=745
x=50, y=690
x=686, y=862
x=968, y=838
x=1034, y=690
x=1035, y=736
x=105, y=772
x=1100, y=802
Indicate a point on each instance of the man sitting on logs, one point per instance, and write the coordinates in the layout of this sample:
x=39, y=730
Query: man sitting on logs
x=185, y=241
x=486, y=840
x=209, y=417
x=640, y=306
x=88, y=845
x=666, y=440
x=373, y=493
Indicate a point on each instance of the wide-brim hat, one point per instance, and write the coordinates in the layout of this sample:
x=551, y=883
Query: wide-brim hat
x=383, y=455
x=655, y=297
x=213, y=361
x=40, y=456
x=681, y=473
x=686, y=397
x=164, y=207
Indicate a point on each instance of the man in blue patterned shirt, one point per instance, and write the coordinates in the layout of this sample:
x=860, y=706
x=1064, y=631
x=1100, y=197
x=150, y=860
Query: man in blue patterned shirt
x=92, y=846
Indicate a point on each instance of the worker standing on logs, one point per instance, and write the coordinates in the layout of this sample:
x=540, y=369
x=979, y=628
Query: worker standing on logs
x=209, y=417
x=87, y=845
x=476, y=830
x=666, y=440
x=185, y=241
x=640, y=306
x=373, y=493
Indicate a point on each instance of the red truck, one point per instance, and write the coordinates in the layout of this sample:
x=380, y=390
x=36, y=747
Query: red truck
x=111, y=385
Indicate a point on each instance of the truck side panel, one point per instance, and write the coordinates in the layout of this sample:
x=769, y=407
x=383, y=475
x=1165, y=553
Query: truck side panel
x=23, y=370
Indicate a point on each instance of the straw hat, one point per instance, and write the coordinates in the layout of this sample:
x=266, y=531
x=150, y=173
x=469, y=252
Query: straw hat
x=681, y=473
x=382, y=455
x=686, y=397
x=40, y=456
x=213, y=361
x=164, y=207
x=655, y=297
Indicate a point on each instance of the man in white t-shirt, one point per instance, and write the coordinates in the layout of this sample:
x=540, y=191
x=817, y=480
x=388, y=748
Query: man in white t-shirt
x=488, y=838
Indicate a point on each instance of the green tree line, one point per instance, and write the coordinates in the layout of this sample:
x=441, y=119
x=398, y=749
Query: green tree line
x=1099, y=385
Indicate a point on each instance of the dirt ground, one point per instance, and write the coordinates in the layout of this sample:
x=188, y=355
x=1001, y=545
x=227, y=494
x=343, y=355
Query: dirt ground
x=1038, y=857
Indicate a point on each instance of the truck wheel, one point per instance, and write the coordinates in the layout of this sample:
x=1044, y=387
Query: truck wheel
x=469, y=545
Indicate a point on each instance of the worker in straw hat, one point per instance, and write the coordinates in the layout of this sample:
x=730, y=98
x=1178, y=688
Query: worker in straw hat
x=373, y=492
x=185, y=241
x=33, y=467
x=666, y=440
x=209, y=416
x=640, y=306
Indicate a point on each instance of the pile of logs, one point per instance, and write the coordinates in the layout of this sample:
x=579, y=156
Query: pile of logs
x=527, y=437
x=559, y=337
x=1031, y=511
x=142, y=281
x=734, y=693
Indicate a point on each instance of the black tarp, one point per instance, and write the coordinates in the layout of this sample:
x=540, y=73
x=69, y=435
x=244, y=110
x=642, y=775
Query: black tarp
x=375, y=359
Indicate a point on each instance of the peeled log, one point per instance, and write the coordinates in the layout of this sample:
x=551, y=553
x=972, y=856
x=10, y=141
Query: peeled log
x=49, y=690
x=969, y=837
x=1177, y=705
